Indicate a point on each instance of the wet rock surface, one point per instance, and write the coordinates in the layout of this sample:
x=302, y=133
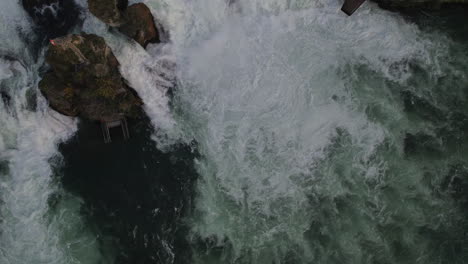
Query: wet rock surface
x=85, y=80
x=109, y=11
x=140, y=25
x=135, y=21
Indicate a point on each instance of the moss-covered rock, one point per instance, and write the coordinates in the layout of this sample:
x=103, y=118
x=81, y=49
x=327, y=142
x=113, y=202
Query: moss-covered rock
x=85, y=80
x=139, y=25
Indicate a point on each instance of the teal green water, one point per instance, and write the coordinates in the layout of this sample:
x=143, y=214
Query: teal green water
x=323, y=139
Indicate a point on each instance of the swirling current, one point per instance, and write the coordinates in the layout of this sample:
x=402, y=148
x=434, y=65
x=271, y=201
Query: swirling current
x=275, y=132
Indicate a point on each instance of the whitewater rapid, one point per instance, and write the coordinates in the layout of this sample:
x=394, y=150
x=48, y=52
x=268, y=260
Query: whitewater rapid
x=298, y=115
x=34, y=228
x=297, y=111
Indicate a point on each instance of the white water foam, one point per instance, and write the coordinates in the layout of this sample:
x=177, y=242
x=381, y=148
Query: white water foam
x=29, y=231
x=273, y=92
x=150, y=72
x=266, y=91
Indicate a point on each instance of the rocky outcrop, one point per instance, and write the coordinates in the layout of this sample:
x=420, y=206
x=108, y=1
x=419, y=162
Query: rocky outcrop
x=109, y=11
x=139, y=25
x=136, y=21
x=85, y=81
x=53, y=17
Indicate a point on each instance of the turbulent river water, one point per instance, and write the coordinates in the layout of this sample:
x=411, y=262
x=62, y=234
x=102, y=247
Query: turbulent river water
x=322, y=138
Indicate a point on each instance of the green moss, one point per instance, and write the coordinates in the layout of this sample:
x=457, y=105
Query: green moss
x=106, y=88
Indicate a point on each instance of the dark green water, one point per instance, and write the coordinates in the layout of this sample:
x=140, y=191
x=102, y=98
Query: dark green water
x=142, y=200
x=134, y=195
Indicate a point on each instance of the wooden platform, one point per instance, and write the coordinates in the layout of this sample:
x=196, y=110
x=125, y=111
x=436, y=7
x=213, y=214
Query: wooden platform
x=107, y=125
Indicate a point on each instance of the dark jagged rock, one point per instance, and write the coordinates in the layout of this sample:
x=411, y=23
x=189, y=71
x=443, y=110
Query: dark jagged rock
x=140, y=25
x=85, y=80
x=109, y=11
x=53, y=17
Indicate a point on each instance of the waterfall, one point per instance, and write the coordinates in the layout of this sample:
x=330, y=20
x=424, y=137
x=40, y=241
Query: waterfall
x=322, y=138
x=300, y=116
x=38, y=222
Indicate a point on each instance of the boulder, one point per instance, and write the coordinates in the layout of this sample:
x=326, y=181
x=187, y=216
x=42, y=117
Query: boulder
x=139, y=25
x=53, y=17
x=85, y=80
x=136, y=21
x=108, y=11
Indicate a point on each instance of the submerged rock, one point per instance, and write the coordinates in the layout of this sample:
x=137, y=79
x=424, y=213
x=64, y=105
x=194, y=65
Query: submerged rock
x=85, y=80
x=140, y=25
x=54, y=17
x=109, y=11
